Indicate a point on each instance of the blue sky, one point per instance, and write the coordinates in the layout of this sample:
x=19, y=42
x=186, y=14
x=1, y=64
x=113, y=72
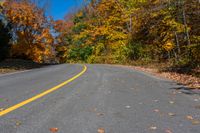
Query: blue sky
x=60, y=7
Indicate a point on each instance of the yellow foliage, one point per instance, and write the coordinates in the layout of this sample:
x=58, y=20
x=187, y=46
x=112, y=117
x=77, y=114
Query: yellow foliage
x=168, y=46
x=79, y=14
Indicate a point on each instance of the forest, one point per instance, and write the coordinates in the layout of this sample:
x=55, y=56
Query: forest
x=104, y=31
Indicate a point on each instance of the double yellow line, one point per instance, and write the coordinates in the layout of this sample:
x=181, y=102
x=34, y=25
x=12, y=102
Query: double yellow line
x=12, y=108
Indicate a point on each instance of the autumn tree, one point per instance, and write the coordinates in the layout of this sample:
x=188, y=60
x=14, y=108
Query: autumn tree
x=191, y=20
x=116, y=31
x=30, y=30
x=98, y=33
x=63, y=39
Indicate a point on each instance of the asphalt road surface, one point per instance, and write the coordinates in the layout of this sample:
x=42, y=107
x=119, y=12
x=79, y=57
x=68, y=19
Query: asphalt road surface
x=103, y=99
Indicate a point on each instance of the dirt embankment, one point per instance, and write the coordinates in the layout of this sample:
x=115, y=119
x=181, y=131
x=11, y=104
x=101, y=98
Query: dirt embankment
x=13, y=65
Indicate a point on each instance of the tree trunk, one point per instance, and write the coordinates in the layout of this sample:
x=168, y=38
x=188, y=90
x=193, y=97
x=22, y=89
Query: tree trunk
x=130, y=26
x=177, y=43
x=186, y=28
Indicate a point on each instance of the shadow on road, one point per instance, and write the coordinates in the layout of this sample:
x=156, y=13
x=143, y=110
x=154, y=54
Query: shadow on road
x=187, y=70
x=187, y=90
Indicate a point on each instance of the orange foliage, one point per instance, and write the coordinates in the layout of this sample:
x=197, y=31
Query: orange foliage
x=32, y=31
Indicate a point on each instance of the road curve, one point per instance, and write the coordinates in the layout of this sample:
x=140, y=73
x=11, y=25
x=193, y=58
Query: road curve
x=105, y=98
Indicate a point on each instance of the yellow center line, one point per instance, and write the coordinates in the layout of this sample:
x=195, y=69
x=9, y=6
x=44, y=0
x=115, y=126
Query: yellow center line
x=12, y=108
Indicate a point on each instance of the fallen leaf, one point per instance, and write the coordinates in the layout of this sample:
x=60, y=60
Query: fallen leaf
x=155, y=100
x=168, y=131
x=53, y=129
x=153, y=128
x=100, y=114
x=128, y=107
x=1, y=109
x=101, y=130
x=196, y=100
x=195, y=122
x=171, y=102
x=156, y=110
x=171, y=114
x=18, y=123
x=189, y=117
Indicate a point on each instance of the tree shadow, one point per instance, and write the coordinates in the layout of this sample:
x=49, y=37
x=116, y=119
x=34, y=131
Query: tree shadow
x=186, y=90
x=185, y=69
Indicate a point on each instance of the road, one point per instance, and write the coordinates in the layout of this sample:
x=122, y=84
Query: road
x=104, y=98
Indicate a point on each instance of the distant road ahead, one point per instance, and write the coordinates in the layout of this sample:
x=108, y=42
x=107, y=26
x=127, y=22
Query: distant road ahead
x=68, y=99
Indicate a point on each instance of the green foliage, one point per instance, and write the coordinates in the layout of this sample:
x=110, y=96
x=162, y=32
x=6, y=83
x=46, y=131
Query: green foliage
x=117, y=31
x=79, y=27
x=194, y=53
x=136, y=51
x=80, y=53
x=99, y=49
x=113, y=31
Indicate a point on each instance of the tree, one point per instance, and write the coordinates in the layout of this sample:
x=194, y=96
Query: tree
x=63, y=38
x=99, y=31
x=4, y=43
x=4, y=36
x=30, y=30
x=114, y=31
